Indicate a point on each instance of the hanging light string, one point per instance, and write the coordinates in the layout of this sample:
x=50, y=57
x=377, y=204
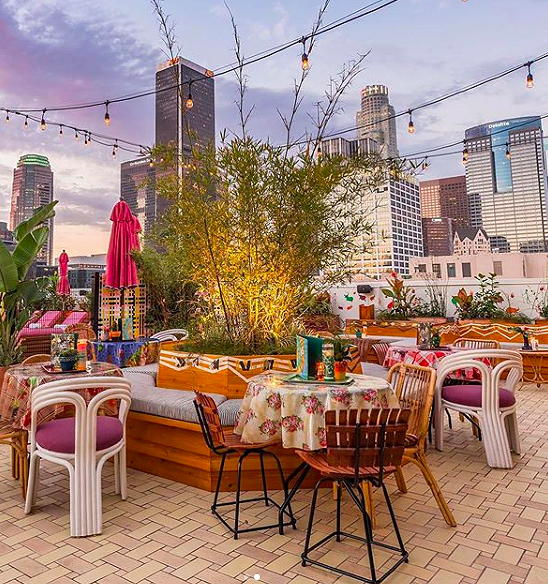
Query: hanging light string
x=357, y=14
x=44, y=123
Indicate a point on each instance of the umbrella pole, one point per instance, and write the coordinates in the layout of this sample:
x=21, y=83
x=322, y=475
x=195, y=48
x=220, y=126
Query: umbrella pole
x=95, y=306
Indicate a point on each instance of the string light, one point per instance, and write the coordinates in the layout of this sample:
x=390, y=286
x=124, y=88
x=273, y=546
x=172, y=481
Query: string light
x=508, y=154
x=61, y=130
x=189, y=103
x=7, y=115
x=114, y=148
x=43, y=124
x=26, y=122
x=305, y=63
x=425, y=164
x=411, y=125
x=530, y=81
x=465, y=155
x=107, y=115
x=76, y=134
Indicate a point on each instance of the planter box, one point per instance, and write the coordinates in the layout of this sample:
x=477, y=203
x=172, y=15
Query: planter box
x=494, y=331
x=396, y=328
x=216, y=373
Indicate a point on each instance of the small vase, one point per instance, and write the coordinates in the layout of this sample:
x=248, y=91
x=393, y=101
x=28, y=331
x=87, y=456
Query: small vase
x=67, y=365
x=340, y=370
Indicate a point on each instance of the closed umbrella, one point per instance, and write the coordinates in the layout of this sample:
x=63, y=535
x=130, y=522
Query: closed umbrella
x=63, y=286
x=136, y=229
x=121, y=271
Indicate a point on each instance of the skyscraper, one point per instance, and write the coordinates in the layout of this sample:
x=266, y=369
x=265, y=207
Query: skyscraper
x=32, y=187
x=506, y=182
x=176, y=124
x=372, y=120
x=445, y=197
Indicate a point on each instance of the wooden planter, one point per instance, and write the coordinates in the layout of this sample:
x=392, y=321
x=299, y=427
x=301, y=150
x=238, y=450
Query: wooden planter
x=216, y=373
x=396, y=328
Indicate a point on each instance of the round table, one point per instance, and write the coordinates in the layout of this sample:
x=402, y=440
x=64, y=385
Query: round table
x=295, y=411
x=125, y=353
x=413, y=355
x=20, y=380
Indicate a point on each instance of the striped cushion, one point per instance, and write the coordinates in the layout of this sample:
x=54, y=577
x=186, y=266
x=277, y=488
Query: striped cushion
x=374, y=369
x=151, y=370
x=228, y=411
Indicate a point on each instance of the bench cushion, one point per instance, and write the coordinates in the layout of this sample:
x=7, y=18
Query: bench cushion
x=228, y=411
x=374, y=369
x=150, y=370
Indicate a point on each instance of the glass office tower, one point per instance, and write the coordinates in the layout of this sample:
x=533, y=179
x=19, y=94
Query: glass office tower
x=506, y=182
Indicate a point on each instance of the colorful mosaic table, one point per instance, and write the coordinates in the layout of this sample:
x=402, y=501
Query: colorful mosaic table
x=295, y=411
x=125, y=353
x=20, y=380
x=412, y=355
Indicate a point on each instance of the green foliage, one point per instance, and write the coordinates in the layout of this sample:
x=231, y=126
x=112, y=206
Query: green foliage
x=258, y=229
x=403, y=301
x=341, y=349
x=17, y=295
x=50, y=300
x=170, y=291
x=68, y=355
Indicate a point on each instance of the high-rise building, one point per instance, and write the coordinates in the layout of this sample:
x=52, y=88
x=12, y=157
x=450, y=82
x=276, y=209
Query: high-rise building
x=376, y=120
x=445, y=197
x=6, y=236
x=393, y=211
x=32, y=188
x=506, y=182
x=344, y=147
x=177, y=81
x=175, y=122
x=437, y=235
x=138, y=190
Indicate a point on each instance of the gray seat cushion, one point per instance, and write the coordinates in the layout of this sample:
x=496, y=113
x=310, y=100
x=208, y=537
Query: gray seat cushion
x=150, y=370
x=176, y=404
x=374, y=369
x=228, y=411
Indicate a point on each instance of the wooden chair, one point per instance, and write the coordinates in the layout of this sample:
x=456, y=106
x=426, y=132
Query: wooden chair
x=83, y=330
x=362, y=446
x=40, y=358
x=16, y=439
x=217, y=442
x=415, y=387
x=476, y=343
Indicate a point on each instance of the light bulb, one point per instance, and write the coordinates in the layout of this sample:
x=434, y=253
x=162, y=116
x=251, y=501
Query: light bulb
x=411, y=125
x=61, y=130
x=530, y=80
x=508, y=154
x=189, y=101
x=107, y=115
x=26, y=122
x=114, y=150
x=305, y=64
x=76, y=134
x=7, y=116
x=465, y=155
x=43, y=124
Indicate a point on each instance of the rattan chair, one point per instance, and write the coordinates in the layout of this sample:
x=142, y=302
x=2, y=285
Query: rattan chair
x=362, y=446
x=415, y=387
x=476, y=343
x=83, y=330
x=40, y=358
x=217, y=442
x=16, y=439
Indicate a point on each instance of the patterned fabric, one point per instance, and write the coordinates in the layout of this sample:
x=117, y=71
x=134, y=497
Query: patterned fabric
x=273, y=407
x=428, y=358
x=20, y=380
x=125, y=353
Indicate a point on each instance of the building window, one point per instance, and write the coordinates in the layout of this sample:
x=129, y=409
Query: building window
x=497, y=268
x=421, y=268
x=451, y=271
x=436, y=270
x=466, y=270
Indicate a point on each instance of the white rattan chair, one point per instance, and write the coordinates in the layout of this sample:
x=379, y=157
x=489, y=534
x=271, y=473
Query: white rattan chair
x=476, y=343
x=171, y=335
x=82, y=444
x=492, y=403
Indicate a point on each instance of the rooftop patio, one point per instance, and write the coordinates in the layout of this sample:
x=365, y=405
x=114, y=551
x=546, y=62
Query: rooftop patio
x=165, y=533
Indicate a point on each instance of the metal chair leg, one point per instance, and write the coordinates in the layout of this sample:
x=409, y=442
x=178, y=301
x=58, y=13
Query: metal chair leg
x=238, y=487
x=394, y=522
x=263, y=477
x=339, y=497
x=286, y=491
x=219, y=479
x=310, y=522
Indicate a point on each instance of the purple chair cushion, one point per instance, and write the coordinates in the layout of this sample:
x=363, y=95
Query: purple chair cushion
x=58, y=435
x=470, y=395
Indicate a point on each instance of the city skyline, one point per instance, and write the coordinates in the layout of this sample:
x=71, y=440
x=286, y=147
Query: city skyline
x=87, y=180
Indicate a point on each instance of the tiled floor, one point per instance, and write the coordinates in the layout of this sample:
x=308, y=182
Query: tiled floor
x=165, y=534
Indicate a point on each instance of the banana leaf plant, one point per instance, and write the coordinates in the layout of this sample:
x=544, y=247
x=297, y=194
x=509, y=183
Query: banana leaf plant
x=17, y=294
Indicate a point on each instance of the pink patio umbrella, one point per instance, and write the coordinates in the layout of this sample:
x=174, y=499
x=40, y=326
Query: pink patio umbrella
x=63, y=286
x=121, y=271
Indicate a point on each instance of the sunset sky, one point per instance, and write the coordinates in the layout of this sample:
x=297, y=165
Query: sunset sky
x=53, y=53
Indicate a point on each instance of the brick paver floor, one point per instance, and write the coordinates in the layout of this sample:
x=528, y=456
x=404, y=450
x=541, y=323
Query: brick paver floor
x=164, y=533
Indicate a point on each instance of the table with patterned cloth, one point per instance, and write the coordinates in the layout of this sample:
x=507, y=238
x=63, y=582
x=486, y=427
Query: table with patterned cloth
x=20, y=380
x=125, y=353
x=413, y=355
x=295, y=411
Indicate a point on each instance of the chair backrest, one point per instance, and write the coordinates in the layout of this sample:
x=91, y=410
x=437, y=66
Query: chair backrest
x=39, y=358
x=69, y=391
x=381, y=348
x=415, y=387
x=84, y=331
x=368, y=438
x=210, y=421
x=476, y=343
x=171, y=335
x=497, y=367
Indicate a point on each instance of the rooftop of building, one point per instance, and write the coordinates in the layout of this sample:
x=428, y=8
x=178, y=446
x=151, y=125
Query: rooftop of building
x=34, y=159
x=469, y=232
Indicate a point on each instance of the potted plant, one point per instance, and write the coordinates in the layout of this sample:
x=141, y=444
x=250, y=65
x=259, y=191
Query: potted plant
x=68, y=359
x=17, y=294
x=341, y=353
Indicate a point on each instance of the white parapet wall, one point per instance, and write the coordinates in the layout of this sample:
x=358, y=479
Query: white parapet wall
x=346, y=300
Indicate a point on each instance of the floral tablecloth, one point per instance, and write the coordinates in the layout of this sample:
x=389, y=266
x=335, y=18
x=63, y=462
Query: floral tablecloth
x=125, y=353
x=20, y=380
x=295, y=411
x=427, y=358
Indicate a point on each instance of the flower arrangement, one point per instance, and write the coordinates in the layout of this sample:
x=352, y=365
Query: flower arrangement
x=537, y=299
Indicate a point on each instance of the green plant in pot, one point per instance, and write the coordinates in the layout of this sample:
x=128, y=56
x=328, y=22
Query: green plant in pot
x=19, y=295
x=68, y=359
x=341, y=351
